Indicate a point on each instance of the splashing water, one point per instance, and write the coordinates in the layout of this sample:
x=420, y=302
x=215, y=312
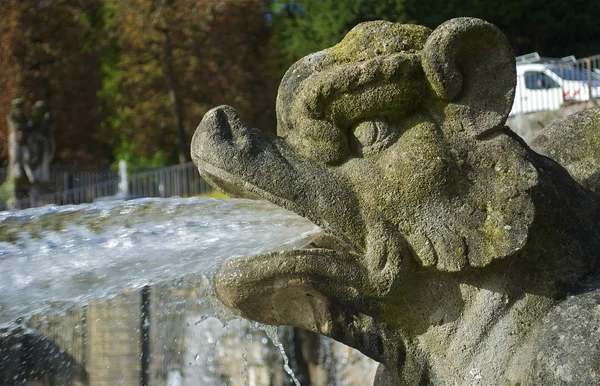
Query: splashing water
x=116, y=286
x=73, y=254
x=271, y=332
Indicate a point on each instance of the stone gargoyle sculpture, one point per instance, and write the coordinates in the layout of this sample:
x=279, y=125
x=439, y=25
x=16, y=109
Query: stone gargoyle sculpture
x=452, y=253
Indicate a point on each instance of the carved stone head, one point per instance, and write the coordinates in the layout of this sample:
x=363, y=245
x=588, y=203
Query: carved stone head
x=393, y=141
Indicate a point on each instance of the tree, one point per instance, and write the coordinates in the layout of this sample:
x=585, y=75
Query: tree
x=306, y=26
x=552, y=28
x=47, y=52
x=174, y=60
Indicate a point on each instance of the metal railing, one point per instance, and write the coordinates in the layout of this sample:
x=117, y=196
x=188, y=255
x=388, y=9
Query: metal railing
x=553, y=83
x=180, y=180
x=70, y=177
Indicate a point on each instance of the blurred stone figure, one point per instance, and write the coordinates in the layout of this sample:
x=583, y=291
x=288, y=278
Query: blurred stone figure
x=31, y=147
x=17, y=139
x=40, y=143
x=17, y=124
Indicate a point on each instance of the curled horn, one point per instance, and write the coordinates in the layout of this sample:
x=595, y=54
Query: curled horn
x=470, y=63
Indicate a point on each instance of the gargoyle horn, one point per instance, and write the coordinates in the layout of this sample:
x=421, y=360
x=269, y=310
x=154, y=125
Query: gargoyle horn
x=470, y=64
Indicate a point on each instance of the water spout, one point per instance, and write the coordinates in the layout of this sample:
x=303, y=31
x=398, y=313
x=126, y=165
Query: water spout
x=123, y=191
x=123, y=289
x=75, y=254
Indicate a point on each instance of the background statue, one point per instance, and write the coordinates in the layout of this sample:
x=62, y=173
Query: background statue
x=18, y=169
x=31, y=147
x=452, y=253
x=40, y=143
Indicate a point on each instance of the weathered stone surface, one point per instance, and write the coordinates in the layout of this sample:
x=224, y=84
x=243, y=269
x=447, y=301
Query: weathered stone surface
x=574, y=142
x=563, y=349
x=449, y=242
x=41, y=143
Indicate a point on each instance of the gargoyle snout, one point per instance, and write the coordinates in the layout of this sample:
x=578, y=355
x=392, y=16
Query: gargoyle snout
x=215, y=131
x=223, y=148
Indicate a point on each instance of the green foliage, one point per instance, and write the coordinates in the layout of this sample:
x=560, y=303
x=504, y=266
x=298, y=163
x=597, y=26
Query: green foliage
x=5, y=191
x=306, y=26
x=553, y=28
x=126, y=151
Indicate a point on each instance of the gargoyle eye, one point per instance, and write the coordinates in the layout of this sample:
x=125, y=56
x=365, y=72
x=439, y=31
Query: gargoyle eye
x=371, y=136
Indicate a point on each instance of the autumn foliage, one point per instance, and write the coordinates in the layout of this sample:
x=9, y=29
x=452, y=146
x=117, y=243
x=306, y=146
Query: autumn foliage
x=134, y=76
x=44, y=55
x=179, y=58
x=131, y=79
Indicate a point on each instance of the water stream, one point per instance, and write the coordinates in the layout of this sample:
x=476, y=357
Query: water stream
x=123, y=187
x=73, y=254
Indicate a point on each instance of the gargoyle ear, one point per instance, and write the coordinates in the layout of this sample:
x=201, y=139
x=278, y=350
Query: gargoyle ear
x=470, y=64
x=489, y=217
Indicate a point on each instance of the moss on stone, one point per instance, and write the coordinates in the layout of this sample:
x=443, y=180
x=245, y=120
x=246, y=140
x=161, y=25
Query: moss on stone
x=574, y=142
x=458, y=240
x=371, y=39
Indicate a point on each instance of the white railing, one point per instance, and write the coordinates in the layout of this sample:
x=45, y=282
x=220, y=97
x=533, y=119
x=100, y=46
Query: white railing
x=180, y=180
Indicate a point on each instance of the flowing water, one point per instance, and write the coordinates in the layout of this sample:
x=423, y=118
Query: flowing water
x=123, y=187
x=119, y=292
x=73, y=254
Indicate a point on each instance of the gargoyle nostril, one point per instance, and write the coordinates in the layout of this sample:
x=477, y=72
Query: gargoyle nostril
x=222, y=123
x=216, y=130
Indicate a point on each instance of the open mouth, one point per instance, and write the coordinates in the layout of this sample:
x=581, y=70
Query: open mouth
x=237, y=187
x=264, y=287
x=298, y=287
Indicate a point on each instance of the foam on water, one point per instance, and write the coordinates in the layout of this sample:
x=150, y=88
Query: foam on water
x=73, y=254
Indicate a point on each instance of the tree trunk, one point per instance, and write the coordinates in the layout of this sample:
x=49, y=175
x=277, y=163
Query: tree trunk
x=176, y=105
